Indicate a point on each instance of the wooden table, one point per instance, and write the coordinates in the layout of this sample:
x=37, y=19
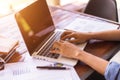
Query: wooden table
x=101, y=49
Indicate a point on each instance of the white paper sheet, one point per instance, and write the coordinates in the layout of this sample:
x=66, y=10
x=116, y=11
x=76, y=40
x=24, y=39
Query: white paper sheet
x=86, y=25
x=28, y=71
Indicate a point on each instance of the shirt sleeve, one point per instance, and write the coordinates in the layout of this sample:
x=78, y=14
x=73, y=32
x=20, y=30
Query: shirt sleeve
x=112, y=71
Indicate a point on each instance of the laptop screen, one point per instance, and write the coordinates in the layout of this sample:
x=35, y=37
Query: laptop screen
x=35, y=23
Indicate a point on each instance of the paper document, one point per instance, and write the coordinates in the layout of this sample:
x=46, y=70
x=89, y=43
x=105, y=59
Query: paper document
x=28, y=71
x=87, y=25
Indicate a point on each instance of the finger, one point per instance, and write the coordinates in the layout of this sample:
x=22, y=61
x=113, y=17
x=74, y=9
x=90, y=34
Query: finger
x=67, y=37
x=65, y=33
x=73, y=41
x=61, y=41
x=56, y=46
x=55, y=52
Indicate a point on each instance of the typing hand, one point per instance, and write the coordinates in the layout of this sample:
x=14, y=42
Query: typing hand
x=74, y=37
x=65, y=48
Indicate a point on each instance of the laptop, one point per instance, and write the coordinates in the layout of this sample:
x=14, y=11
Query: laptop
x=39, y=33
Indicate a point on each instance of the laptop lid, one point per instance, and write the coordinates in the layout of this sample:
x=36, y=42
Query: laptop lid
x=35, y=23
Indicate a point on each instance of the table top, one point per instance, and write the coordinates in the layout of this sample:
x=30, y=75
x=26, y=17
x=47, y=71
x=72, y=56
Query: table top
x=103, y=49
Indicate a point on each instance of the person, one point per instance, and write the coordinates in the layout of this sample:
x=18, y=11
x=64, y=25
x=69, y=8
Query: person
x=66, y=47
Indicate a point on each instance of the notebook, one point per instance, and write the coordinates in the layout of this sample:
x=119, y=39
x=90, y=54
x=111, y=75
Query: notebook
x=39, y=33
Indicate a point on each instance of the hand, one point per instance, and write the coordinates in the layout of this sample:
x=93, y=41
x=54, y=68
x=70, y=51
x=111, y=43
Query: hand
x=66, y=49
x=75, y=37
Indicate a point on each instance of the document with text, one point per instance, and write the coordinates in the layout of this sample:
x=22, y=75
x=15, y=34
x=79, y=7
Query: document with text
x=28, y=71
x=87, y=25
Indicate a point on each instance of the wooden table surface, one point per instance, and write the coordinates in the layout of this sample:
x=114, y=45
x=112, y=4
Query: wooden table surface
x=102, y=49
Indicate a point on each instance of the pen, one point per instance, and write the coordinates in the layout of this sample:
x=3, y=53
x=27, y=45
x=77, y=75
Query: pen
x=52, y=68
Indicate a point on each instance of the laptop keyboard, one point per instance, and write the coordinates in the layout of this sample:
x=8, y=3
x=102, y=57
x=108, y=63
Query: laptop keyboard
x=44, y=50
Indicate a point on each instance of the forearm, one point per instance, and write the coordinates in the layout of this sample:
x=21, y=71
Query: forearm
x=112, y=35
x=94, y=62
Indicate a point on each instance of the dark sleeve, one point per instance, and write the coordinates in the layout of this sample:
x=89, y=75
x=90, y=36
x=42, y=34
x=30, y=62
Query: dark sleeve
x=112, y=71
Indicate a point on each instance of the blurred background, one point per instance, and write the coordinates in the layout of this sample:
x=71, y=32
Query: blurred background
x=10, y=6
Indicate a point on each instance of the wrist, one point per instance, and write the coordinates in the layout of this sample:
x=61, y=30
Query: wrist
x=79, y=55
x=91, y=35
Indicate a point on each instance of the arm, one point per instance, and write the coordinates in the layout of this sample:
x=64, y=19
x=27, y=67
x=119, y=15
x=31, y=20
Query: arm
x=70, y=50
x=94, y=62
x=80, y=37
x=111, y=35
